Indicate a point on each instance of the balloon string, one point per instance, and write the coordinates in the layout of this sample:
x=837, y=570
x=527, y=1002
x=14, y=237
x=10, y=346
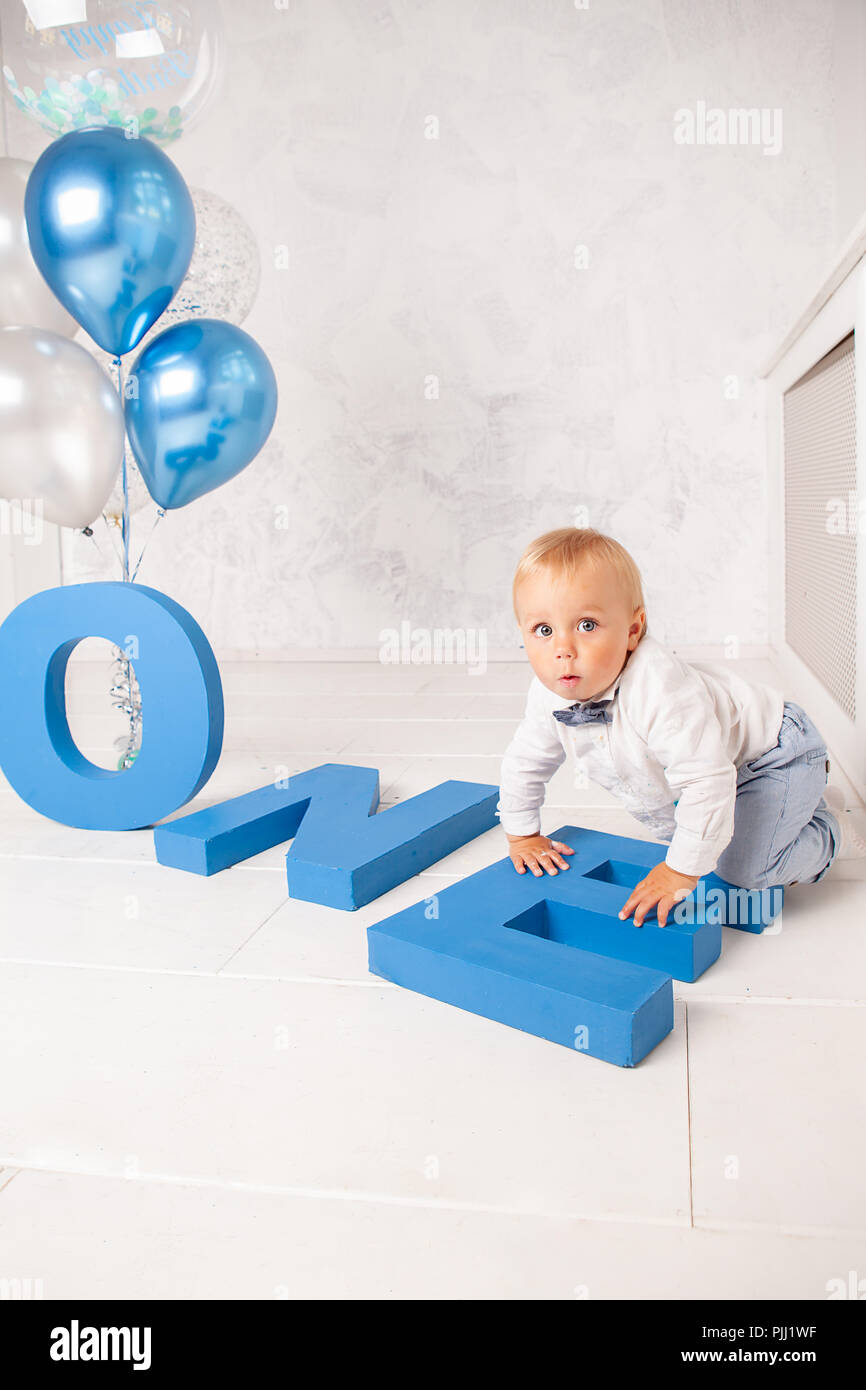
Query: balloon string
x=125, y=691
x=159, y=515
x=111, y=529
x=125, y=518
x=86, y=531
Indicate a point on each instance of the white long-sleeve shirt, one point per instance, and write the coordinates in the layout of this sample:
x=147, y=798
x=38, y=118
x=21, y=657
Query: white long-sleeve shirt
x=679, y=731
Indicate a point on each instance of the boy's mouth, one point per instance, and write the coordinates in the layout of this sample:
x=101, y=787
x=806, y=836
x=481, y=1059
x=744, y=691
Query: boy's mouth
x=569, y=679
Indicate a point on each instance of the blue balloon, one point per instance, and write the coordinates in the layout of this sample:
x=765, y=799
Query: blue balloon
x=202, y=404
x=112, y=227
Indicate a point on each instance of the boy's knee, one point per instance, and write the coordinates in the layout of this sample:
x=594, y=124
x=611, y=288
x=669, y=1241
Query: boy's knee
x=744, y=872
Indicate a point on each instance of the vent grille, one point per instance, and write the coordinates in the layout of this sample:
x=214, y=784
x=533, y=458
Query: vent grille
x=821, y=521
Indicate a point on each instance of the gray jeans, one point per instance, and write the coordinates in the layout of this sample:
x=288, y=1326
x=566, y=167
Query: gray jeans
x=783, y=830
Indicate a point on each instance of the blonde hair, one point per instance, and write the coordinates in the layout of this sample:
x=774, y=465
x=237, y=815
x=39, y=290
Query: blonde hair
x=564, y=551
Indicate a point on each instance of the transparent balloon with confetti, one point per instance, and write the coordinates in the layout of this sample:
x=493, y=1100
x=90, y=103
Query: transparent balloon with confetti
x=223, y=277
x=149, y=67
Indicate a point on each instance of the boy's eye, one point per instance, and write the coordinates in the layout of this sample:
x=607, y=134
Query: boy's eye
x=544, y=629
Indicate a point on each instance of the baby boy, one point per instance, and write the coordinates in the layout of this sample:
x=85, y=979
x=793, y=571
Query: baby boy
x=724, y=769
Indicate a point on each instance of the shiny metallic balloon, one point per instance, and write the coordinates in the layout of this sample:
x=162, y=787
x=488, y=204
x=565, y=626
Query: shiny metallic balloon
x=61, y=426
x=222, y=283
x=24, y=296
x=204, y=402
x=223, y=277
x=112, y=229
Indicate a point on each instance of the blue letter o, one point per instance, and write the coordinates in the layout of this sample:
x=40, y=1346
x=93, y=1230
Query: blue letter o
x=181, y=697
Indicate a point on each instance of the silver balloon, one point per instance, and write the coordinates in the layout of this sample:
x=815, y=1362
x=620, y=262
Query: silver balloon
x=25, y=298
x=61, y=426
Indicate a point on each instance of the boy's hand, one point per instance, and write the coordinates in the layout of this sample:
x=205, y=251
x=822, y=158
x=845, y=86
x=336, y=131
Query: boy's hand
x=662, y=885
x=537, y=853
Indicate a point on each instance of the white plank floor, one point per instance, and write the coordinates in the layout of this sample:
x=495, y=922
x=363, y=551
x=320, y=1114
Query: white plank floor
x=205, y=1094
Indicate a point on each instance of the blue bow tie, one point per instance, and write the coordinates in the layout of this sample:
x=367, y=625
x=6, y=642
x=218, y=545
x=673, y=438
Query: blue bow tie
x=585, y=713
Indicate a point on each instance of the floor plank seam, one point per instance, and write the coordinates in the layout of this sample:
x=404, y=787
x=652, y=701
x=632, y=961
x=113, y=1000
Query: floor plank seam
x=108, y=967
x=689, y=1116
x=703, y=1226
x=359, y=1195
x=252, y=934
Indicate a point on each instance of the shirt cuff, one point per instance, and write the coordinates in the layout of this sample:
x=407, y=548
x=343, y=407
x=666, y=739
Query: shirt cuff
x=520, y=822
x=690, y=855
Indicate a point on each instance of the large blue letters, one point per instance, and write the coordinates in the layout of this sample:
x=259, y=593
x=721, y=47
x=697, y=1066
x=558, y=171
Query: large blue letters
x=550, y=956
x=547, y=955
x=181, y=696
x=343, y=855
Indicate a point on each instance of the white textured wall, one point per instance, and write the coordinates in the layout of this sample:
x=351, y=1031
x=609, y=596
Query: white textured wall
x=560, y=387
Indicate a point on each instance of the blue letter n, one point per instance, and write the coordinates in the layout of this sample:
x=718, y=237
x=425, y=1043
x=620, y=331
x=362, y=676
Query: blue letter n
x=343, y=855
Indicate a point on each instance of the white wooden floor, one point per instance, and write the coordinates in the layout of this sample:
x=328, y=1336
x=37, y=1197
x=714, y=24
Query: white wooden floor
x=205, y=1094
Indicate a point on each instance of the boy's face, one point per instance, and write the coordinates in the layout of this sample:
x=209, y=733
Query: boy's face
x=579, y=627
